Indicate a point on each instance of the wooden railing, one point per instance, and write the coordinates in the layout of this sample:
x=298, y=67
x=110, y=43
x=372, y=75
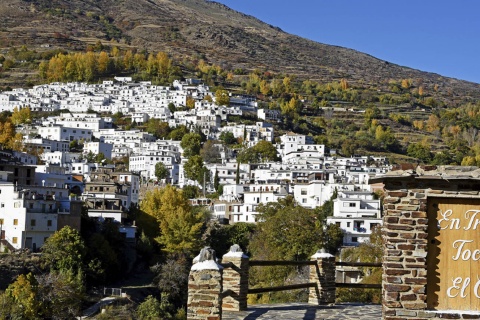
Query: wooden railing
x=358, y=285
x=262, y=263
x=254, y=263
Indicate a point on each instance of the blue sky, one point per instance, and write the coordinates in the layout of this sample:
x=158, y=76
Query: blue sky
x=436, y=36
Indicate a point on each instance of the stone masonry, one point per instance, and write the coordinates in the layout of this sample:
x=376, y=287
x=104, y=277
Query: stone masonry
x=235, y=280
x=405, y=225
x=205, y=288
x=323, y=274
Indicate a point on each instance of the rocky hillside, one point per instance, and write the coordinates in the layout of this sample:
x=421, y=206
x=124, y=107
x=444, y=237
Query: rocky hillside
x=198, y=28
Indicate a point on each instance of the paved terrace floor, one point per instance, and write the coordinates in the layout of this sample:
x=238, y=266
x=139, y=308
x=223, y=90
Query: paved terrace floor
x=302, y=311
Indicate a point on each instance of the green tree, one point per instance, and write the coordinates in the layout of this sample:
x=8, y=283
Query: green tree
x=64, y=250
x=191, y=144
x=178, y=133
x=419, y=151
x=195, y=170
x=263, y=151
x=161, y=171
x=158, y=128
x=228, y=138
x=152, y=309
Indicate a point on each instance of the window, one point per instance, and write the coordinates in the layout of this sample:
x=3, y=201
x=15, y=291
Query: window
x=304, y=200
x=15, y=222
x=348, y=224
x=33, y=222
x=15, y=240
x=2, y=205
x=304, y=192
x=353, y=204
x=49, y=223
x=1, y=221
x=338, y=224
x=16, y=204
x=354, y=239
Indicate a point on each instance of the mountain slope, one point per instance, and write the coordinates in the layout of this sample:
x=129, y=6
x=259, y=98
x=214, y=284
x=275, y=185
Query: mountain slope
x=198, y=28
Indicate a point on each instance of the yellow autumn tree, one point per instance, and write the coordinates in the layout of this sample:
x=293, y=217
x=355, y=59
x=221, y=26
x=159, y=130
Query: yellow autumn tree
x=21, y=115
x=180, y=224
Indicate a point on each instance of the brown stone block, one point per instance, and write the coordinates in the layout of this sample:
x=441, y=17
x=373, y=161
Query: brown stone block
x=389, y=200
x=433, y=191
x=396, y=272
x=392, y=265
x=471, y=316
x=399, y=194
x=392, y=296
x=414, y=305
x=422, y=235
x=391, y=219
x=396, y=287
x=408, y=297
x=406, y=247
x=419, y=214
x=205, y=304
x=422, y=221
x=392, y=234
x=414, y=202
x=418, y=289
x=214, y=318
x=392, y=304
x=407, y=235
x=407, y=207
x=389, y=206
x=407, y=221
x=392, y=226
x=393, y=252
x=393, y=280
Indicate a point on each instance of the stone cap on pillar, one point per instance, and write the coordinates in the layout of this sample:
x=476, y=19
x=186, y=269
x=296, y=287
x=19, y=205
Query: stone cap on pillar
x=321, y=254
x=235, y=252
x=206, y=260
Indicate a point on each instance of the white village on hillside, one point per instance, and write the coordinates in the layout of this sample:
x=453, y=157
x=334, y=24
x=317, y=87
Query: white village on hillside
x=40, y=196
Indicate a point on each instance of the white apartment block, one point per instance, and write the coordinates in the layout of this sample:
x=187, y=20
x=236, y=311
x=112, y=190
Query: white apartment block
x=59, y=133
x=97, y=148
x=357, y=213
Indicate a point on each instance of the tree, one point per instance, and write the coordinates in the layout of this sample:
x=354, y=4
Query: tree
x=61, y=294
x=222, y=97
x=180, y=225
x=21, y=116
x=191, y=144
x=158, y=128
x=152, y=309
x=64, y=250
x=195, y=170
x=263, y=151
x=210, y=152
x=286, y=231
x=22, y=297
x=420, y=151
x=178, y=132
x=228, y=138
x=161, y=171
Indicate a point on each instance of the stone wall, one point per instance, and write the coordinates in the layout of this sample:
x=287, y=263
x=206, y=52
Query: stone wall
x=405, y=224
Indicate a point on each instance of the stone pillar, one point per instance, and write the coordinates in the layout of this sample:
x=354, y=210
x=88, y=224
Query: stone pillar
x=323, y=274
x=205, y=288
x=235, y=280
